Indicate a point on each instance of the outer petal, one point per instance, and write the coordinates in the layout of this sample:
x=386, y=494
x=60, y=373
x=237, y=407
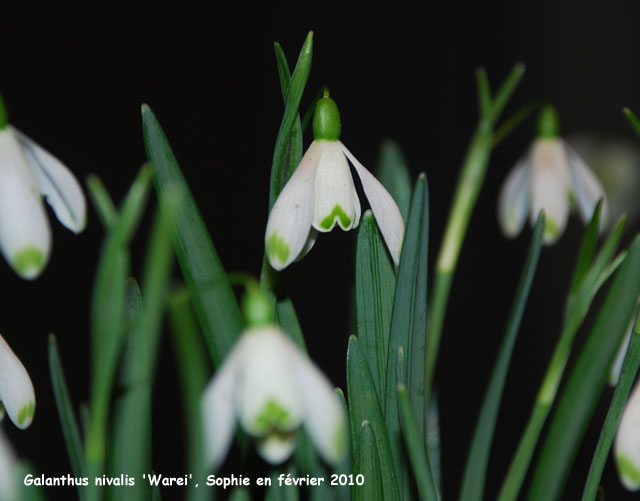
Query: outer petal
x=335, y=199
x=267, y=396
x=16, y=390
x=325, y=420
x=627, y=444
x=276, y=447
x=217, y=407
x=25, y=237
x=550, y=187
x=8, y=470
x=57, y=184
x=290, y=218
x=513, y=202
x=587, y=190
x=384, y=208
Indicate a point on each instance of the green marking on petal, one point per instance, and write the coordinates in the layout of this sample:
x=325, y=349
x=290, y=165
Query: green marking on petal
x=273, y=416
x=628, y=470
x=26, y=413
x=29, y=261
x=277, y=248
x=337, y=213
x=551, y=229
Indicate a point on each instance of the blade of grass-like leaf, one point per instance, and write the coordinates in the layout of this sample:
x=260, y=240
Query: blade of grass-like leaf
x=484, y=91
x=432, y=431
x=369, y=467
x=101, y=200
x=343, y=492
x=213, y=299
x=375, y=285
x=193, y=377
x=510, y=124
x=68, y=421
x=294, y=94
x=506, y=90
x=393, y=173
x=587, y=249
x=277, y=492
x=308, y=115
x=408, y=321
x=633, y=120
x=476, y=467
x=363, y=404
x=587, y=380
x=623, y=388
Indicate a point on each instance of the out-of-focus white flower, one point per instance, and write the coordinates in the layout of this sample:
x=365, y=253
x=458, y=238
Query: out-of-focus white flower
x=627, y=443
x=16, y=391
x=8, y=470
x=28, y=172
x=550, y=177
x=321, y=194
x=272, y=389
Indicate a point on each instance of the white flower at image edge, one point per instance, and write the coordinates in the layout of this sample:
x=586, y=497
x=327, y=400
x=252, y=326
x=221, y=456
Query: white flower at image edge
x=627, y=443
x=550, y=177
x=26, y=172
x=271, y=388
x=17, y=397
x=321, y=194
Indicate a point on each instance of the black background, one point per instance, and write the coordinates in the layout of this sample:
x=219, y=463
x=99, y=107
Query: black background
x=74, y=81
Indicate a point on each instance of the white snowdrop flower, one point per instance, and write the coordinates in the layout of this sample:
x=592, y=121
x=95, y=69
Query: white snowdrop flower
x=550, y=177
x=627, y=443
x=16, y=391
x=27, y=173
x=271, y=388
x=321, y=194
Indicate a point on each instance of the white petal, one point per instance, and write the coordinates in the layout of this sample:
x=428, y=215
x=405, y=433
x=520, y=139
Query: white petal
x=325, y=419
x=335, y=196
x=290, y=218
x=550, y=187
x=16, y=390
x=513, y=202
x=25, y=237
x=8, y=469
x=311, y=241
x=267, y=397
x=384, y=208
x=627, y=443
x=57, y=184
x=587, y=190
x=218, y=407
x=276, y=447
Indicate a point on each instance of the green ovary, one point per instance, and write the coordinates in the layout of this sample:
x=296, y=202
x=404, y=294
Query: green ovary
x=273, y=416
x=337, y=213
x=277, y=248
x=29, y=261
x=26, y=413
x=628, y=470
x=551, y=229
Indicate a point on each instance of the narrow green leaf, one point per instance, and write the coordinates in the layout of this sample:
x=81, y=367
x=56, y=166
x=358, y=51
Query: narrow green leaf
x=476, y=467
x=284, y=492
x=633, y=120
x=484, y=92
x=506, y=90
x=393, y=173
x=192, y=371
x=308, y=115
x=294, y=94
x=68, y=421
x=363, y=405
x=587, y=380
x=101, y=200
x=620, y=397
x=213, y=299
x=409, y=320
x=375, y=286
x=511, y=123
x=288, y=320
x=587, y=249
x=343, y=492
x=432, y=429
x=369, y=466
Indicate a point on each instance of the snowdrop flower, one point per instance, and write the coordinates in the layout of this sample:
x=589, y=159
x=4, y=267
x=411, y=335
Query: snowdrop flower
x=321, y=194
x=550, y=177
x=16, y=391
x=627, y=444
x=271, y=388
x=28, y=172
x=8, y=470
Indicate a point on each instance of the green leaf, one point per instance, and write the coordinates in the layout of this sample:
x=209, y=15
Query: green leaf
x=409, y=320
x=484, y=91
x=375, y=285
x=101, y=200
x=433, y=440
x=511, y=123
x=393, y=173
x=213, y=299
x=620, y=397
x=295, y=88
x=587, y=249
x=288, y=320
x=587, y=380
x=343, y=491
x=68, y=421
x=369, y=466
x=476, y=467
x=363, y=405
x=633, y=120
